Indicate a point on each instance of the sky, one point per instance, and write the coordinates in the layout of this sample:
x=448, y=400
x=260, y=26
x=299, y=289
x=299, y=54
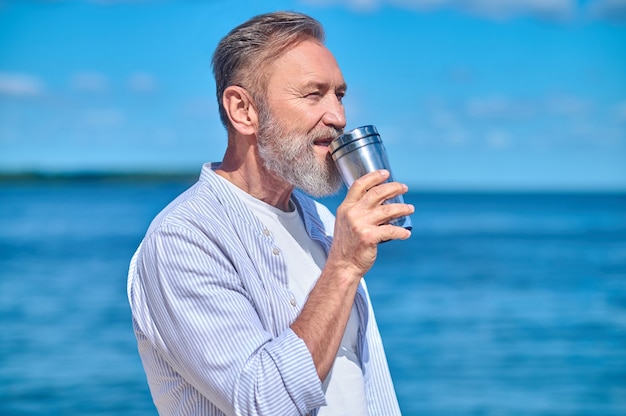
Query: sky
x=466, y=94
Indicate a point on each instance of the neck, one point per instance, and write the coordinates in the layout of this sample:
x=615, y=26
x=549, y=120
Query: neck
x=242, y=167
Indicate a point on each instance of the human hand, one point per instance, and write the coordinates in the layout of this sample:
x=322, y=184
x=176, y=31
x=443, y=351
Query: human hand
x=361, y=222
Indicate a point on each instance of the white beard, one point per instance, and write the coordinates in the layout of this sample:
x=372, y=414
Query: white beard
x=291, y=155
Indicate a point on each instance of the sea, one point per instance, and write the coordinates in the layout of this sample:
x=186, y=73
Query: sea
x=500, y=303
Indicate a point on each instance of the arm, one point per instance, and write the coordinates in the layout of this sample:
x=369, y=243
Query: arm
x=204, y=322
x=358, y=231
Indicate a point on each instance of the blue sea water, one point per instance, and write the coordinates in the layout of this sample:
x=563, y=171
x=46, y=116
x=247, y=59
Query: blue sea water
x=499, y=304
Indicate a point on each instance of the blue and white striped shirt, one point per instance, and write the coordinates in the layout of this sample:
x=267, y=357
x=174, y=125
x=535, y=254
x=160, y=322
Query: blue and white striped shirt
x=211, y=311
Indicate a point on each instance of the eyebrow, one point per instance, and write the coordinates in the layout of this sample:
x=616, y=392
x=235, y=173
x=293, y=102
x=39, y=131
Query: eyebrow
x=343, y=87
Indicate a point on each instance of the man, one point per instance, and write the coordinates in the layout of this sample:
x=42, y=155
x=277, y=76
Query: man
x=247, y=295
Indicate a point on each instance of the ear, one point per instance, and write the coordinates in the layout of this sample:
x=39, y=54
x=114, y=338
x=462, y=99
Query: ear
x=240, y=109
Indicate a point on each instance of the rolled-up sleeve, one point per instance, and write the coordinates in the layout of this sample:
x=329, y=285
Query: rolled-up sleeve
x=197, y=313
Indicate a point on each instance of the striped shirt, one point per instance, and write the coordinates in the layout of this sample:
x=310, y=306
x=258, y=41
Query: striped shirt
x=211, y=310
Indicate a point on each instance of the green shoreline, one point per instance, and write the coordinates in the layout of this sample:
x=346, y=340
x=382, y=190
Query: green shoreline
x=95, y=176
x=15, y=178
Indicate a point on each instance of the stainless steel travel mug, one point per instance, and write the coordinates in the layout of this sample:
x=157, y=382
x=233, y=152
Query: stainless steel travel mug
x=361, y=151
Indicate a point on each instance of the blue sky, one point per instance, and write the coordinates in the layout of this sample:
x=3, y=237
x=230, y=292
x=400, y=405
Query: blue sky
x=474, y=94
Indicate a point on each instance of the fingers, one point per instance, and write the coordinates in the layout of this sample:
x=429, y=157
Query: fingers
x=371, y=203
x=387, y=212
x=372, y=190
x=383, y=192
x=362, y=221
x=392, y=232
x=364, y=184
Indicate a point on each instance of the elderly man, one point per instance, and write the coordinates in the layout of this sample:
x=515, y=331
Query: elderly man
x=247, y=295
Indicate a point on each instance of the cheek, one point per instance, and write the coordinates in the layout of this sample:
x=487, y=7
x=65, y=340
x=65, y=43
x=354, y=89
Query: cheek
x=296, y=115
x=305, y=116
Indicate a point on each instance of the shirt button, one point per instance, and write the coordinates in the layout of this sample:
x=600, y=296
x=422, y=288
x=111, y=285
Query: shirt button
x=293, y=302
x=276, y=251
x=266, y=232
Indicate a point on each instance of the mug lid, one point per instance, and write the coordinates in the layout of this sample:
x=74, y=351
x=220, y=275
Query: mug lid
x=352, y=135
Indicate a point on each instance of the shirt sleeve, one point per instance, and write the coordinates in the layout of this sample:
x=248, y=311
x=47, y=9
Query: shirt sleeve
x=381, y=393
x=200, y=317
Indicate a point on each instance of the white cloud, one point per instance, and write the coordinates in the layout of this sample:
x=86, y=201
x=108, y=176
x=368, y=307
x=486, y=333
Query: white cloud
x=608, y=9
x=507, y=108
x=500, y=108
x=89, y=81
x=496, y=9
x=455, y=137
x=103, y=118
x=499, y=9
x=364, y=5
x=620, y=112
x=498, y=139
x=443, y=118
x=113, y=2
x=20, y=85
x=202, y=107
x=165, y=136
x=566, y=105
x=142, y=82
x=460, y=75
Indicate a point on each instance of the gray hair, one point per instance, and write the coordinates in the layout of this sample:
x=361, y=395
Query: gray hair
x=241, y=56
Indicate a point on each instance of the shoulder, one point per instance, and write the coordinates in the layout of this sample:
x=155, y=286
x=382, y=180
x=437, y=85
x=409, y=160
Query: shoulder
x=193, y=209
x=208, y=201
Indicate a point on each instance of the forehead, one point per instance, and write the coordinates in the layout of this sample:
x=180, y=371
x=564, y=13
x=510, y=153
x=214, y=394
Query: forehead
x=307, y=62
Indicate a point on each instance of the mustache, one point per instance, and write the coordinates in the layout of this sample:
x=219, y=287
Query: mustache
x=324, y=133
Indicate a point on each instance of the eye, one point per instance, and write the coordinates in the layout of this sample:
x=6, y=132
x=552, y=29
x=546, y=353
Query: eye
x=340, y=95
x=313, y=95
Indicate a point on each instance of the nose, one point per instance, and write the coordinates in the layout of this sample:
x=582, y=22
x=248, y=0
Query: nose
x=335, y=114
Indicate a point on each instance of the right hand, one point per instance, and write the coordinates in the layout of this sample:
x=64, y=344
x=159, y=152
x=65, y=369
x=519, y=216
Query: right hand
x=361, y=222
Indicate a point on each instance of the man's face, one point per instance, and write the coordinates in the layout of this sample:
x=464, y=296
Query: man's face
x=301, y=115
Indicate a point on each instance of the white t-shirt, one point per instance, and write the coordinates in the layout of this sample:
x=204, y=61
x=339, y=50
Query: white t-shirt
x=305, y=258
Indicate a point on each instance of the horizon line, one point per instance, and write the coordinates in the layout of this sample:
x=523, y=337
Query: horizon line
x=105, y=175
